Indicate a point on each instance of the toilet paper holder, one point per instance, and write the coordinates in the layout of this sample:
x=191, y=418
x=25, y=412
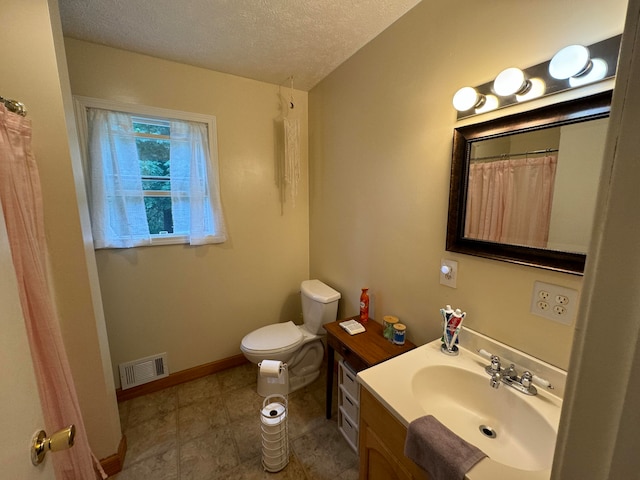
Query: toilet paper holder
x=271, y=368
x=273, y=378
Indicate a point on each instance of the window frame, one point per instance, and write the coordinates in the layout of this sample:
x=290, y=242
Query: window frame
x=81, y=104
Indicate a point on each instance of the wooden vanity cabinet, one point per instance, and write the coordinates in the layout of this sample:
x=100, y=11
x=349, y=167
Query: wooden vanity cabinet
x=382, y=444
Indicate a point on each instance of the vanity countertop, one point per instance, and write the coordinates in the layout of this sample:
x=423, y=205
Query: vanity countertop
x=393, y=384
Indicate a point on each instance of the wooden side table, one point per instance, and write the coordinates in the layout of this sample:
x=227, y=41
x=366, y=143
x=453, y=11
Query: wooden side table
x=360, y=351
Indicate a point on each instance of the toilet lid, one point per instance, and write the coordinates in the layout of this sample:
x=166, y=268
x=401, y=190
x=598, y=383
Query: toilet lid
x=275, y=337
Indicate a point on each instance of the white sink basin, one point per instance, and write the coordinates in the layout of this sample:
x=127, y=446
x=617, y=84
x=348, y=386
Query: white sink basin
x=500, y=422
x=456, y=391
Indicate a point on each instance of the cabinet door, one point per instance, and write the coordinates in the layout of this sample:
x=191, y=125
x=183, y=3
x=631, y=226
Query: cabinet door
x=377, y=462
x=382, y=439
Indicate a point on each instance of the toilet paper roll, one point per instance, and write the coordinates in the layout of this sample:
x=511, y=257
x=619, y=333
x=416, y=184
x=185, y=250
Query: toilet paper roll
x=273, y=414
x=270, y=368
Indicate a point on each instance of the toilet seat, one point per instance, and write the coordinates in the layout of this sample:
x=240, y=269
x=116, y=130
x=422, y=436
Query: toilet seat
x=272, y=339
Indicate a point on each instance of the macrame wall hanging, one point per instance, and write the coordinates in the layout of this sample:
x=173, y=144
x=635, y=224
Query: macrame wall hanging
x=291, y=150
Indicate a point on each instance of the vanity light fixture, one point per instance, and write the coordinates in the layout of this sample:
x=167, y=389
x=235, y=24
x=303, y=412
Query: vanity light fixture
x=511, y=81
x=570, y=67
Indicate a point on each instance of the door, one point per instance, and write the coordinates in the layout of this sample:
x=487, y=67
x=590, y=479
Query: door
x=20, y=411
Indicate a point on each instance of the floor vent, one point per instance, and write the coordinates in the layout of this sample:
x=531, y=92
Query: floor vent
x=143, y=370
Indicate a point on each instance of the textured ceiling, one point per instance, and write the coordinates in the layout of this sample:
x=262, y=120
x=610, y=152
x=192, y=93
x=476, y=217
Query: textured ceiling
x=267, y=40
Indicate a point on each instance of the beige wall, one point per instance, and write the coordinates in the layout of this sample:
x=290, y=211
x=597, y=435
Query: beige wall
x=32, y=73
x=380, y=153
x=196, y=303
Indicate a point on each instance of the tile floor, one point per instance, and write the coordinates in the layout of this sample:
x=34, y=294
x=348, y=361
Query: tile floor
x=210, y=428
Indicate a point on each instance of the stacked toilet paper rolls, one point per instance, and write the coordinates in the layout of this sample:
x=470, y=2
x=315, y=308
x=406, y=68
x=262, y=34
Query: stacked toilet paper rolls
x=275, y=441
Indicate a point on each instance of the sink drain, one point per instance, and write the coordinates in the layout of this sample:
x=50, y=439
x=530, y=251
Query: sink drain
x=488, y=431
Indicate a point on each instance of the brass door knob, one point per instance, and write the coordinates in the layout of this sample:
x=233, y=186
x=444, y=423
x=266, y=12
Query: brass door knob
x=60, y=440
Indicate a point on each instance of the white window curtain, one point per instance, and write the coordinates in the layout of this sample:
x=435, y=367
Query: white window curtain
x=195, y=200
x=118, y=215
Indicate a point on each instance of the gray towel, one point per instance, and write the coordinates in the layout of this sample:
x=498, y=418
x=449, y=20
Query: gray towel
x=435, y=448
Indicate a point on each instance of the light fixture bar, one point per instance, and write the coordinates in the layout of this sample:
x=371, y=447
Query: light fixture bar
x=537, y=81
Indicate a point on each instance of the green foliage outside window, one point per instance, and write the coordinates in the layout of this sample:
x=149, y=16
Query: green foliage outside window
x=154, y=156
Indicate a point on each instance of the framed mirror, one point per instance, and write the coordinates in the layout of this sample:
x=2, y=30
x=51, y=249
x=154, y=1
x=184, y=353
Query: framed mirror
x=523, y=187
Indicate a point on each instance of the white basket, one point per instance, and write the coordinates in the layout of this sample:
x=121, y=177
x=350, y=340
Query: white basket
x=275, y=433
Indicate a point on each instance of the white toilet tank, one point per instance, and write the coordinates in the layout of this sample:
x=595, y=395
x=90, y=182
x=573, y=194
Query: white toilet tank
x=319, y=305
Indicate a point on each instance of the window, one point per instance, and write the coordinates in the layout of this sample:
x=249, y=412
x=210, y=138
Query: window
x=153, y=176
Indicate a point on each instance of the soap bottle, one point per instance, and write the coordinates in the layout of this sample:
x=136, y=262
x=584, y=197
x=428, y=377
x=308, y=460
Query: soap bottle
x=364, y=306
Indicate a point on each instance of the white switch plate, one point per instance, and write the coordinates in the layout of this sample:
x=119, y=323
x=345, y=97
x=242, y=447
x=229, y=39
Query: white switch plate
x=554, y=302
x=449, y=279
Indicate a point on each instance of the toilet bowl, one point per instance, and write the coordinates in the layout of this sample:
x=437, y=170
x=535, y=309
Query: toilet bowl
x=299, y=346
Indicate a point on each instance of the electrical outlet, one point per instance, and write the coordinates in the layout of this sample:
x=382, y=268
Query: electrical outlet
x=554, y=302
x=448, y=272
x=559, y=310
x=542, y=305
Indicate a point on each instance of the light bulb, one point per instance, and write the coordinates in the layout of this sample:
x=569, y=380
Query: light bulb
x=537, y=89
x=598, y=71
x=571, y=61
x=491, y=103
x=510, y=81
x=467, y=98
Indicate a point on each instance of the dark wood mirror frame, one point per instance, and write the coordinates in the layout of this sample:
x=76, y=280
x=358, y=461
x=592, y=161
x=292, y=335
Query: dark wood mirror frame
x=565, y=113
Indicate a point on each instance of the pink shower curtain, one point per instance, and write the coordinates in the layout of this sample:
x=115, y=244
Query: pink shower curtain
x=22, y=207
x=509, y=201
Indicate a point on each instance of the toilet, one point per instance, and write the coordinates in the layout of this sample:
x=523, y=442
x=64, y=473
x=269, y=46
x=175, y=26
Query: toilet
x=299, y=346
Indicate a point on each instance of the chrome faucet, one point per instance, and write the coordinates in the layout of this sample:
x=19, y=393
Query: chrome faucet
x=495, y=370
x=496, y=378
x=526, y=379
x=511, y=372
x=509, y=376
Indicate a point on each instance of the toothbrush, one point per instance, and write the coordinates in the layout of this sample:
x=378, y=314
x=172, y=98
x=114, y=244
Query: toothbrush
x=455, y=323
x=446, y=313
x=445, y=320
x=454, y=339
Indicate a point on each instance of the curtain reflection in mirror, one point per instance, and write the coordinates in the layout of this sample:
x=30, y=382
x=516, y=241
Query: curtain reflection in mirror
x=509, y=201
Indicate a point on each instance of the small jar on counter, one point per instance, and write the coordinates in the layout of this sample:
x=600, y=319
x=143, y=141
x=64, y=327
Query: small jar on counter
x=388, y=321
x=399, y=333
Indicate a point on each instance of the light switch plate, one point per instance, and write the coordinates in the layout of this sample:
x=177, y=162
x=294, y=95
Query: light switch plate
x=449, y=279
x=554, y=302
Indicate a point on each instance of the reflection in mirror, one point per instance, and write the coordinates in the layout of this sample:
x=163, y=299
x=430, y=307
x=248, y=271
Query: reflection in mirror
x=536, y=188
x=523, y=188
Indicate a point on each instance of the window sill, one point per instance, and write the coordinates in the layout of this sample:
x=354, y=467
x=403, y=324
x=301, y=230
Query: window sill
x=168, y=239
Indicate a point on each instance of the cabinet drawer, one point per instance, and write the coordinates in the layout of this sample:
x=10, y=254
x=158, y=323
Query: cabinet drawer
x=349, y=404
x=348, y=428
x=347, y=379
x=353, y=359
